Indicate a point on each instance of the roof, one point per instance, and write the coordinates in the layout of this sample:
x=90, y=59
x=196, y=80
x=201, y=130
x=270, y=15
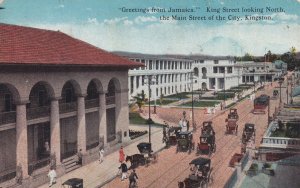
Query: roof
x=73, y=182
x=26, y=45
x=279, y=64
x=200, y=161
x=185, y=133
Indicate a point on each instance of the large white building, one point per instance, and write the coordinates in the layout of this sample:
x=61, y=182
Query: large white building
x=176, y=73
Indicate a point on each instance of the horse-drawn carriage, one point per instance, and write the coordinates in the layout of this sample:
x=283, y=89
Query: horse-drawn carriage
x=170, y=135
x=145, y=156
x=231, y=121
x=185, y=141
x=248, y=133
x=200, y=174
x=261, y=103
x=207, y=143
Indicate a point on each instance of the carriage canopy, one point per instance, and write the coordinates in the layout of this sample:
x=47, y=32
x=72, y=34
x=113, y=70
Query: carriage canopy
x=200, y=161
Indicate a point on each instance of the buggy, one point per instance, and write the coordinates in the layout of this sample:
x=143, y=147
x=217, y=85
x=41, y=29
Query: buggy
x=231, y=121
x=73, y=183
x=200, y=174
x=146, y=150
x=185, y=141
x=260, y=104
x=207, y=128
x=248, y=132
x=207, y=144
x=275, y=94
x=172, y=135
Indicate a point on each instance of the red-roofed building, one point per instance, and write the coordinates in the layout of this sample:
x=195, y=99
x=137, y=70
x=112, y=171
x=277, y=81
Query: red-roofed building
x=58, y=95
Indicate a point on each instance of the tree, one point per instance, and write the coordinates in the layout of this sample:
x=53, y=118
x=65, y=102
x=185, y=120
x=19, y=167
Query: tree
x=290, y=58
x=247, y=57
x=140, y=100
x=271, y=57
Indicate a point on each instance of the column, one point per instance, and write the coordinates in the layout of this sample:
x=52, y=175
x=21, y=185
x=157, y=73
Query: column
x=21, y=138
x=81, y=134
x=102, y=121
x=55, y=130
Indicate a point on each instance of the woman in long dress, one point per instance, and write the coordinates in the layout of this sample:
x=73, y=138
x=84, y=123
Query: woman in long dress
x=121, y=155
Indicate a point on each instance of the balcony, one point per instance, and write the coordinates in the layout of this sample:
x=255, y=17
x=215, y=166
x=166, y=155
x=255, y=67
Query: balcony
x=7, y=117
x=33, y=113
x=110, y=100
x=281, y=142
x=91, y=103
x=67, y=107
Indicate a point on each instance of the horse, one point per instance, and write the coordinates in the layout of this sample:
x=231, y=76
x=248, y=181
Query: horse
x=136, y=159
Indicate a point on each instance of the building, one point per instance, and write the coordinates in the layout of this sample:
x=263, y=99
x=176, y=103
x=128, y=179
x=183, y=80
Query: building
x=169, y=75
x=58, y=95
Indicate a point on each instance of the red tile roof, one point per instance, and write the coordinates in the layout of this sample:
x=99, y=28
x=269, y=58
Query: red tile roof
x=25, y=45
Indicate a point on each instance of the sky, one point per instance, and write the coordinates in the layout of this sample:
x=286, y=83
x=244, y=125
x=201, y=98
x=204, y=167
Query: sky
x=109, y=25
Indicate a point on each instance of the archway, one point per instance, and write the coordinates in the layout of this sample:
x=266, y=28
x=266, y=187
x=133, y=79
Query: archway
x=196, y=71
x=204, y=86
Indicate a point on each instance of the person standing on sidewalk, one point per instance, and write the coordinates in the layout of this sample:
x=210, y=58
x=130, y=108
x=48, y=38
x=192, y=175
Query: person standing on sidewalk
x=123, y=169
x=101, y=155
x=132, y=178
x=121, y=155
x=52, y=176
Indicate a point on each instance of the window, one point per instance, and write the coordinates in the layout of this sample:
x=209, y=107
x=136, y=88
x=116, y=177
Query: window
x=150, y=64
x=229, y=69
x=42, y=98
x=216, y=61
x=215, y=69
x=157, y=64
x=143, y=61
x=201, y=61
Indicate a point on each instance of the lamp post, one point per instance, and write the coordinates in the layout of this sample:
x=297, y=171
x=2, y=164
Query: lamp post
x=192, y=81
x=280, y=83
x=224, y=88
x=149, y=121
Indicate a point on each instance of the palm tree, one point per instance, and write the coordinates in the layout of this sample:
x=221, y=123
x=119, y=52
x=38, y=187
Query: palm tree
x=140, y=100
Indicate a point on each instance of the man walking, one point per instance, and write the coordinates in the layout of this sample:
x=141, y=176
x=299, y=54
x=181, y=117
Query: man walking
x=124, y=169
x=52, y=176
x=101, y=155
x=132, y=178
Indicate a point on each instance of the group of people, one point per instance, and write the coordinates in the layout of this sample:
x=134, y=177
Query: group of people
x=124, y=170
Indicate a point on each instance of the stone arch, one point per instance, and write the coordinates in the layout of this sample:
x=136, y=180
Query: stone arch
x=94, y=88
x=204, y=86
x=196, y=71
x=13, y=90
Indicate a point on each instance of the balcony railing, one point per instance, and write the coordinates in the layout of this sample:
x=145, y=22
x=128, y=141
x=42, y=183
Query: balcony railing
x=280, y=142
x=38, y=164
x=7, y=117
x=91, y=103
x=110, y=100
x=67, y=107
x=33, y=113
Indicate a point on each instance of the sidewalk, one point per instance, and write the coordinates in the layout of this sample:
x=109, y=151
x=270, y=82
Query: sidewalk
x=96, y=174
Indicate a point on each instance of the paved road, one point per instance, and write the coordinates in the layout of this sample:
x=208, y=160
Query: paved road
x=172, y=168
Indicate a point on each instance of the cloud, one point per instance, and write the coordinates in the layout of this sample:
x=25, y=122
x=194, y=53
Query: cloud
x=143, y=19
x=161, y=38
x=93, y=20
x=115, y=21
x=1, y=1
x=284, y=16
x=61, y=6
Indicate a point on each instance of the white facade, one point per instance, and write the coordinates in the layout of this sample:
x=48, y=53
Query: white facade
x=212, y=73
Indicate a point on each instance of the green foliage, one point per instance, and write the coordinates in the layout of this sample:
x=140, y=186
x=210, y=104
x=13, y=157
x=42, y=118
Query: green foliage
x=201, y=103
x=140, y=100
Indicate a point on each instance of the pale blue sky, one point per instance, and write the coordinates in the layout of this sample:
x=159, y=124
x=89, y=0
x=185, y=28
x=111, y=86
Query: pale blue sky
x=102, y=23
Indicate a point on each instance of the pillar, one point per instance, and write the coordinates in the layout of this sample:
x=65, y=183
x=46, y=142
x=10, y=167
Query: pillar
x=102, y=121
x=81, y=133
x=21, y=138
x=55, y=130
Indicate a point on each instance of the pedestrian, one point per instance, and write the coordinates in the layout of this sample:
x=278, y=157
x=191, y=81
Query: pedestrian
x=121, y=155
x=101, y=155
x=132, y=178
x=79, y=157
x=123, y=169
x=52, y=177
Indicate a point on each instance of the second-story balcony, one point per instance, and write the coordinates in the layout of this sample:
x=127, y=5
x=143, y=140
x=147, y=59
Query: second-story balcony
x=110, y=100
x=67, y=107
x=91, y=103
x=38, y=112
x=7, y=117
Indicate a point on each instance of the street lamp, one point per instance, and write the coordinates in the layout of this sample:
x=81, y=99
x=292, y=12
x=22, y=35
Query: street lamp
x=192, y=80
x=149, y=121
x=280, y=83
